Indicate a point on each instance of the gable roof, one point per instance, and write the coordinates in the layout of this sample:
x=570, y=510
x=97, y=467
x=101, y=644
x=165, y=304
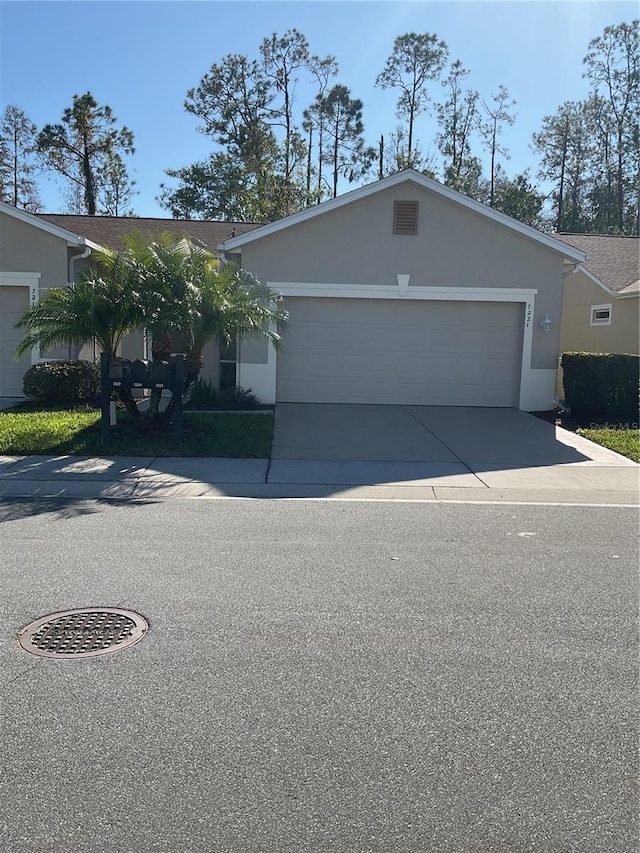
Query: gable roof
x=109, y=232
x=613, y=261
x=72, y=238
x=413, y=177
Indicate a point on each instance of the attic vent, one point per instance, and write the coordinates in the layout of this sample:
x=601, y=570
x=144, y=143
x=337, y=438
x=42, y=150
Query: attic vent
x=405, y=217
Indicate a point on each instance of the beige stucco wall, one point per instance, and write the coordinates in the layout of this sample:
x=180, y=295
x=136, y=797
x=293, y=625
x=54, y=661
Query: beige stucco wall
x=454, y=247
x=577, y=333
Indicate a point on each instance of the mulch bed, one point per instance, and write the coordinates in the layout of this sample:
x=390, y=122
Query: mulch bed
x=557, y=419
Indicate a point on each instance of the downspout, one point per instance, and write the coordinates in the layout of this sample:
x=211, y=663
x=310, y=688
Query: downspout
x=72, y=262
x=576, y=268
x=74, y=258
x=559, y=404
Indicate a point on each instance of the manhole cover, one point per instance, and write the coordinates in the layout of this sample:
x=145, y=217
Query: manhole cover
x=83, y=633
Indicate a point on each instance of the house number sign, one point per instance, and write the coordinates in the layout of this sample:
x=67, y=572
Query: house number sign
x=528, y=313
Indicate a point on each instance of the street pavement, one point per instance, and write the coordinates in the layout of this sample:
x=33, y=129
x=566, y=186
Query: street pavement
x=348, y=677
x=361, y=656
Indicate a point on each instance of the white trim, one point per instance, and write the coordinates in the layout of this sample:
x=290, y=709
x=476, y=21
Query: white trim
x=407, y=176
x=97, y=247
x=42, y=224
x=25, y=279
x=605, y=307
x=537, y=389
x=403, y=283
x=19, y=279
x=385, y=291
x=536, y=386
x=261, y=378
x=594, y=278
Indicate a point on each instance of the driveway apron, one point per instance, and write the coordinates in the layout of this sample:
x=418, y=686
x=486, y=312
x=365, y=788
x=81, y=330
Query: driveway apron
x=430, y=445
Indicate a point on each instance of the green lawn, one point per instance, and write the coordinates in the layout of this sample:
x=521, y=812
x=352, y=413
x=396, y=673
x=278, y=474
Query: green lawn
x=30, y=429
x=624, y=441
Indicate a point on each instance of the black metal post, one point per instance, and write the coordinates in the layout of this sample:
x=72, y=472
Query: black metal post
x=177, y=392
x=105, y=399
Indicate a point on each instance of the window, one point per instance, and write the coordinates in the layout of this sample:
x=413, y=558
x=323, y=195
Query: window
x=405, y=217
x=601, y=315
x=228, y=359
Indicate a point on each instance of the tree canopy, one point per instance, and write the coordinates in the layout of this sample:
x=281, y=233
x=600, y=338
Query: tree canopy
x=18, y=161
x=86, y=148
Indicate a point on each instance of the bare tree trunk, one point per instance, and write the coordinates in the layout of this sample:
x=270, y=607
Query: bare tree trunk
x=89, y=188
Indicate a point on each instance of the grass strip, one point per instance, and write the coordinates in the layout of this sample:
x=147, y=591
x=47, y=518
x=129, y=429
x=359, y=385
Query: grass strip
x=623, y=441
x=77, y=433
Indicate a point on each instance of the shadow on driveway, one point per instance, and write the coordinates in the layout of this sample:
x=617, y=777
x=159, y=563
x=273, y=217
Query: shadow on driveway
x=322, y=450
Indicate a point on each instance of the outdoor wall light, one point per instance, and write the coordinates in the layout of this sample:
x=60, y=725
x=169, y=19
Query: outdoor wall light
x=546, y=323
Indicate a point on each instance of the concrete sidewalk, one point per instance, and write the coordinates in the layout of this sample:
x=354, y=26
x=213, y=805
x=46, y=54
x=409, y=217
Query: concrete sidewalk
x=603, y=477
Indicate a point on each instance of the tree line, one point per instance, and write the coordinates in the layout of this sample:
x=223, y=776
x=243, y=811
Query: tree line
x=272, y=156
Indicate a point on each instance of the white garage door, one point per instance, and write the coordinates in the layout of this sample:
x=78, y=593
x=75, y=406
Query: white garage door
x=13, y=301
x=401, y=352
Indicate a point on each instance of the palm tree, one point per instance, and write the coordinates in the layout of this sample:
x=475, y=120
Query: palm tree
x=102, y=307
x=165, y=286
x=185, y=290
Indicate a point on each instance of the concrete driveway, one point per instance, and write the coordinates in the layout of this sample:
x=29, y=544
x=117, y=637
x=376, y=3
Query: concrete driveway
x=450, y=446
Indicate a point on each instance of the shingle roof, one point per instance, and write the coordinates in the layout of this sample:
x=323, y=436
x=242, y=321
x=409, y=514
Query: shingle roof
x=110, y=231
x=614, y=260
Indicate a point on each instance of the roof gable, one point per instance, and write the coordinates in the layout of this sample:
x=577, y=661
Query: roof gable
x=409, y=176
x=612, y=262
x=71, y=238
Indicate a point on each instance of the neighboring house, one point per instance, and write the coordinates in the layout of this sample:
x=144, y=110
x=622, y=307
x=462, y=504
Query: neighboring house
x=402, y=291
x=110, y=232
x=601, y=305
x=405, y=291
x=34, y=254
x=48, y=250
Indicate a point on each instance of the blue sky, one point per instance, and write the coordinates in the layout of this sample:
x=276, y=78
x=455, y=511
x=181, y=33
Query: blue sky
x=141, y=57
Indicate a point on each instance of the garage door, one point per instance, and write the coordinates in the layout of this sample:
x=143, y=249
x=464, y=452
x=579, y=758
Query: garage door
x=401, y=352
x=13, y=301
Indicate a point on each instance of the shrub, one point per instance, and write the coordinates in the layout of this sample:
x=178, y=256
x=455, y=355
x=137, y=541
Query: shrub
x=601, y=385
x=63, y=382
x=237, y=398
x=203, y=395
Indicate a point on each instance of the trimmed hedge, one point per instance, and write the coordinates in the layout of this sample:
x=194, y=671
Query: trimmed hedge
x=602, y=385
x=63, y=382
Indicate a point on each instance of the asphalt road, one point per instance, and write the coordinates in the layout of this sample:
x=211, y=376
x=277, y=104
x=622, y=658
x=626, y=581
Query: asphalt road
x=324, y=676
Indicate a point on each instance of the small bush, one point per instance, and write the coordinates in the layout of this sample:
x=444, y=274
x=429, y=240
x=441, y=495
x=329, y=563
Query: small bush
x=203, y=395
x=237, y=398
x=63, y=382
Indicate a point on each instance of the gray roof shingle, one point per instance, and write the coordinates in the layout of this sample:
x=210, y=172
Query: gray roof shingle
x=110, y=231
x=614, y=260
